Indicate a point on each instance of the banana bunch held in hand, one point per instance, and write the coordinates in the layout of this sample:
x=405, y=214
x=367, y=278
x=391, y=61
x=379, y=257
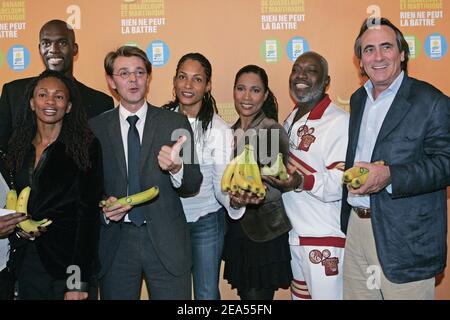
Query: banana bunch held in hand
x=277, y=169
x=242, y=174
x=19, y=204
x=355, y=177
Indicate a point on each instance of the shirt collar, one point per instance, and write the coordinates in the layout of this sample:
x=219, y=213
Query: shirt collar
x=141, y=113
x=392, y=89
x=319, y=109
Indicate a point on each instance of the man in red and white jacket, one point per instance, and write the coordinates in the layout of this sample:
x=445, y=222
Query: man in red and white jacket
x=318, y=136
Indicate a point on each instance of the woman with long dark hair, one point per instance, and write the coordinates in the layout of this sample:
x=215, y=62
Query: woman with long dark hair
x=256, y=250
x=205, y=212
x=53, y=151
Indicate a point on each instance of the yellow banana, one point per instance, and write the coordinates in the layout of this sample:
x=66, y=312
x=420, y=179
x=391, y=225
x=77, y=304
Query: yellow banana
x=249, y=177
x=259, y=188
x=282, y=172
x=353, y=173
x=238, y=176
x=277, y=169
x=233, y=185
x=22, y=200
x=11, y=200
x=134, y=199
x=225, y=183
x=270, y=171
x=359, y=181
x=31, y=226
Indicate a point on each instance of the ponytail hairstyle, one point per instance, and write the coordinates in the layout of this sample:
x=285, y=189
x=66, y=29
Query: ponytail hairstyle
x=208, y=107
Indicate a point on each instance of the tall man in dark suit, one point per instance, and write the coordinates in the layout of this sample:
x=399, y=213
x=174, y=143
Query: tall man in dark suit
x=396, y=223
x=151, y=239
x=57, y=47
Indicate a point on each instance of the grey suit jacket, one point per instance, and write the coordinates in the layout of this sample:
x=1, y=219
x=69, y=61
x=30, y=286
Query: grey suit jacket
x=165, y=218
x=409, y=225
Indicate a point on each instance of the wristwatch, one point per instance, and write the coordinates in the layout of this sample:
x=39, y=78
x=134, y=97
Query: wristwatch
x=299, y=188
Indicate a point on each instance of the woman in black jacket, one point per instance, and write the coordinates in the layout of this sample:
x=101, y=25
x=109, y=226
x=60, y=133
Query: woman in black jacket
x=53, y=151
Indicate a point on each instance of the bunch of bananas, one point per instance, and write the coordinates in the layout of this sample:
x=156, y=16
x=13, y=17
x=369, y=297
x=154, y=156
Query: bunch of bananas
x=20, y=204
x=355, y=177
x=134, y=199
x=277, y=169
x=242, y=174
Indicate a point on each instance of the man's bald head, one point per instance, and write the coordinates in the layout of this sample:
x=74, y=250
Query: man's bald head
x=57, y=46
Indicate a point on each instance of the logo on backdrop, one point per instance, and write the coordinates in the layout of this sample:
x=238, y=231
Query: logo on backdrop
x=270, y=50
x=296, y=46
x=158, y=53
x=1, y=58
x=436, y=46
x=18, y=57
x=414, y=46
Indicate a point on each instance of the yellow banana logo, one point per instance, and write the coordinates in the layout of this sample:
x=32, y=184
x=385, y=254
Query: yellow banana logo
x=30, y=225
x=134, y=199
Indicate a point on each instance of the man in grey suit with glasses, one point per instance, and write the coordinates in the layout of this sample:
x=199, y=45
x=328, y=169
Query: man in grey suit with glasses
x=138, y=153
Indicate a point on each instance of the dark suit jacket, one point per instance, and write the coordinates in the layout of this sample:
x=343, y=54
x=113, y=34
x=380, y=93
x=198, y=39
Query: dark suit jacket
x=12, y=101
x=166, y=222
x=68, y=196
x=409, y=225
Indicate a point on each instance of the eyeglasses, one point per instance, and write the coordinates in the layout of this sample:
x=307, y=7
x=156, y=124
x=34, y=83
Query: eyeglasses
x=124, y=74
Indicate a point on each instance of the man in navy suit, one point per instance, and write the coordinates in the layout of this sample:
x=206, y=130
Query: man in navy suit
x=396, y=223
x=57, y=47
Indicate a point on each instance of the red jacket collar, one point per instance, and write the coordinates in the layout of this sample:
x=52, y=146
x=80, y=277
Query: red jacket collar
x=317, y=112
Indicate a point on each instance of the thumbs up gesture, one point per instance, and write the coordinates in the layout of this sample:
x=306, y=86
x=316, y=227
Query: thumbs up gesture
x=169, y=157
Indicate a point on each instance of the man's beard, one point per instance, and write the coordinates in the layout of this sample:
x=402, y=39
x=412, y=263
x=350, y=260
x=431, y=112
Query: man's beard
x=314, y=94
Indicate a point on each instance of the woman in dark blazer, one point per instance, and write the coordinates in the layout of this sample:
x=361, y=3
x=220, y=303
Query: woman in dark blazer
x=53, y=151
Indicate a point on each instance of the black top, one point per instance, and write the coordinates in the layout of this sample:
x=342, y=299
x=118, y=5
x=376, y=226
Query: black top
x=68, y=196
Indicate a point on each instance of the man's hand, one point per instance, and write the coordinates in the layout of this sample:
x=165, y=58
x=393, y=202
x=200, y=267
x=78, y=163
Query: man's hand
x=241, y=199
x=169, y=157
x=379, y=178
x=8, y=223
x=75, y=295
x=116, y=211
x=293, y=181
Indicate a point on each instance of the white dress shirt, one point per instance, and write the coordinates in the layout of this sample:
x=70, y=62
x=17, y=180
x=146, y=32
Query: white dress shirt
x=4, y=243
x=214, y=150
x=374, y=113
x=176, y=179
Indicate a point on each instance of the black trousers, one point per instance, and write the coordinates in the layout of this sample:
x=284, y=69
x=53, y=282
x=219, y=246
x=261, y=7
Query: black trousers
x=6, y=285
x=35, y=283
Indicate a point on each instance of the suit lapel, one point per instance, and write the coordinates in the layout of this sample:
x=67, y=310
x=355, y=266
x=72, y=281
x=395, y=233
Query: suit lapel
x=116, y=141
x=358, y=107
x=149, y=134
x=399, y=108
